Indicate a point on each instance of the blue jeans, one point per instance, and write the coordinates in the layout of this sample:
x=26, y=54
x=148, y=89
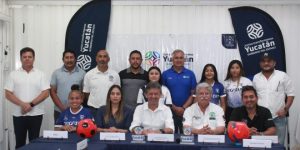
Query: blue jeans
x=280, y=124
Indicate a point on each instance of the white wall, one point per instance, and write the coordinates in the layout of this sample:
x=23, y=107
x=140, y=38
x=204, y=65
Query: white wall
x=4, y=10
x=45, y=28
x=4, y=28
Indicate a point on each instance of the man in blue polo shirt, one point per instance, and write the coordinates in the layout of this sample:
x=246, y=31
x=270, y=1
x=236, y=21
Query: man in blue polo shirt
x=181, y=83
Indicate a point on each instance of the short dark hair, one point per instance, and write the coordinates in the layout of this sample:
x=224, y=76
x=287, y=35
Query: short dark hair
x=69, y=51
x=135, y=52
x=248, y=88
x=27, y=49
x=153, y=85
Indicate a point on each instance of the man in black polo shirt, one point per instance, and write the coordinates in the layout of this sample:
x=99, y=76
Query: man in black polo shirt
x=258, y=118
x=133, y=78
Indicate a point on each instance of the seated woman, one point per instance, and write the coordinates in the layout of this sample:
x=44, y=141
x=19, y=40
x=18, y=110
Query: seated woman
x=204, y=117
x=154, y=75
x=152, y=116
x=114, y=116
x=69, y=118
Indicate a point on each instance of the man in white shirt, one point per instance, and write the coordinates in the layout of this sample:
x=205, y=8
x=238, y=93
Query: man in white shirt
x=27, y=88
x=203, y=116
x=273, y=88
x=152, y=116
x=98, y=81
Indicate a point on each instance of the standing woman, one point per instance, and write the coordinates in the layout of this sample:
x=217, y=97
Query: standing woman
x=210, y=76
x=154, y=75
x=114, y=116
x=234, y=81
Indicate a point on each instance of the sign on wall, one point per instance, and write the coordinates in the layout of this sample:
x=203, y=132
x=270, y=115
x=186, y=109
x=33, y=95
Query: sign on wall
x=257, y=33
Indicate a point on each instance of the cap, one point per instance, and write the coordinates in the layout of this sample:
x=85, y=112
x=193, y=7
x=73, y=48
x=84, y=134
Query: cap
x=266, y=55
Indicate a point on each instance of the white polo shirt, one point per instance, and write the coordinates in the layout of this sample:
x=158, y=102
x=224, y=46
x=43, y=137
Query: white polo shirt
x=213, y=116
x=165, y=99
x=27, y=86
x=271, y=92
x=160, y=118
x=233, y=91
x=97, y=83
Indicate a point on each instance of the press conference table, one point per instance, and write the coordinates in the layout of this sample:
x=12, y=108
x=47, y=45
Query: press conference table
x=95, y=144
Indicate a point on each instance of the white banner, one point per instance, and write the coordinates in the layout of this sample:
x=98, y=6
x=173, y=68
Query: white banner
x=157, y=50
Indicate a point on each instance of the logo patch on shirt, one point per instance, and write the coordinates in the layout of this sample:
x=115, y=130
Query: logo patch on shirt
x=65, y=118
x=185, y=77
x=212, y=116
x=111, y=78
x=81, y=117
x=196, y=117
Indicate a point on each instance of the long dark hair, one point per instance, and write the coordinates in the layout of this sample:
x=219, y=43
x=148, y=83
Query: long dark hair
x=215, y=73
x=156, y=68
x=242, y=73
x=108, y=111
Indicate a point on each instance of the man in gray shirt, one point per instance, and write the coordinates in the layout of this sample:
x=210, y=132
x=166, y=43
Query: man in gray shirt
x=133, y=78
x=62, y=79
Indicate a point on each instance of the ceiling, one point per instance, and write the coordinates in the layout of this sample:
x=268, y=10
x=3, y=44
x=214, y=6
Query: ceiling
x=159, y=2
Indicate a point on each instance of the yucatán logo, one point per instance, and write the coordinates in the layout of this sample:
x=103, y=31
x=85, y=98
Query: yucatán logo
x=87, y=37
x=257, y=46
x=84, y=60
x=255, y=31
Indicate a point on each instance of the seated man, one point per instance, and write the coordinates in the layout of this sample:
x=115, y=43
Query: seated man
x=258, y=118
x=203, y=116
x=152, y=116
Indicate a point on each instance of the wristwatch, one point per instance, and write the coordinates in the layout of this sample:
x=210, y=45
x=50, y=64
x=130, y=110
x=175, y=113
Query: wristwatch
x=31, y=104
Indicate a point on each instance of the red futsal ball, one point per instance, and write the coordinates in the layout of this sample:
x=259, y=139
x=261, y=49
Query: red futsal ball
x=86, y=128
x=237, y=131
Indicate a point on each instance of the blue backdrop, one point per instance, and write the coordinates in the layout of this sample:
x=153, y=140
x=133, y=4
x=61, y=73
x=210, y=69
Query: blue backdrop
x=87, y=32
x=257, y=33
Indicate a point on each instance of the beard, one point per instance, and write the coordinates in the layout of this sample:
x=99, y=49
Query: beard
x=268, y=69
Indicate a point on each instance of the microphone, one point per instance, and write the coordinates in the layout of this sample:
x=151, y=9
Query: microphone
x=177, y=140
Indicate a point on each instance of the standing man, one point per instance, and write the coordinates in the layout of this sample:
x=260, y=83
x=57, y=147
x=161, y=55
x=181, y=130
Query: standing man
x=273, y=88
x=181, y=82
x=133, y=78
x=98, y=81
x=62, y=79
x=26, y=88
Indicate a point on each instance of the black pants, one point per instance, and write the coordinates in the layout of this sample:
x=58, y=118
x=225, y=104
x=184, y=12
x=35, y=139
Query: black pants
x=178, y=126
x=93, y=111
x=22, y=124
x=56, y=115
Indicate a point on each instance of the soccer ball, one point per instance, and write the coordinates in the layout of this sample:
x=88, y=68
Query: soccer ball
x=86, y=128
x=237, y=131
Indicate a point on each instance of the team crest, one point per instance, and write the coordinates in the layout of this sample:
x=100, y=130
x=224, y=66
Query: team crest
x=81, y=117
x=111, y=78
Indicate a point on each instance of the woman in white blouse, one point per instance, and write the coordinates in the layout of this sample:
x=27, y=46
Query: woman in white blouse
x=154, y=75
x=233, y=84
